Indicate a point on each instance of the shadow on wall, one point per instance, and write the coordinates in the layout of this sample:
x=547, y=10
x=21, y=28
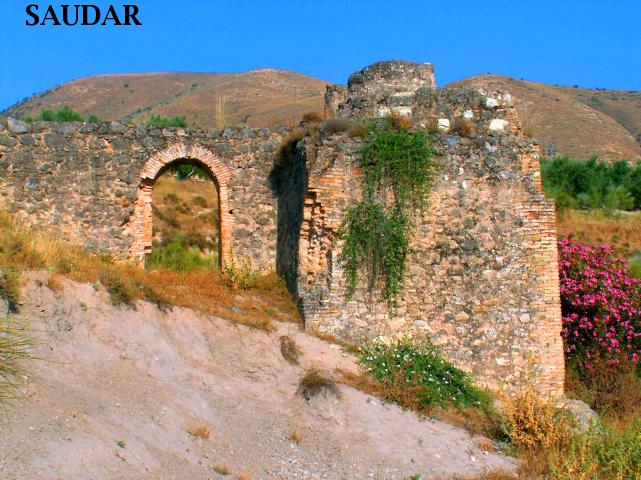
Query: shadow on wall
x=288, y=181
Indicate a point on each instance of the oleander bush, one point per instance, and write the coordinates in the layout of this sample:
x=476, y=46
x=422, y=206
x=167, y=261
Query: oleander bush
x=601, y=305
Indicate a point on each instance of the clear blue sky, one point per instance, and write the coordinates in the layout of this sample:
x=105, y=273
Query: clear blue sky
x=589, y=43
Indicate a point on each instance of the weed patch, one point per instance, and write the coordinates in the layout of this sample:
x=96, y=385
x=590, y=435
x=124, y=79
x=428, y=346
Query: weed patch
x=290, y=350
x=118, y=289
x=176, y=256
x=314, y=383
x=433, y=381
x=200, y=431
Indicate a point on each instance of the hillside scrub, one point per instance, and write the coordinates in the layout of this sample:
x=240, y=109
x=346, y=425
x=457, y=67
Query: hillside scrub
x=63, y=114
x=592, y=184
x=158, y=121
x=24, y=248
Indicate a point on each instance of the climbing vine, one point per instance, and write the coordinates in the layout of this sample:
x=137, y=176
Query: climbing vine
x=397, y=167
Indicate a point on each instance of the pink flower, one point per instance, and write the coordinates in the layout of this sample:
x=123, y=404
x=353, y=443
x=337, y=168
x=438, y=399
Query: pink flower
x=601, y=303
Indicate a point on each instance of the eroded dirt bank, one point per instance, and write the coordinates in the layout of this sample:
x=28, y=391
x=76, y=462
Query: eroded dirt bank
x=117, y=390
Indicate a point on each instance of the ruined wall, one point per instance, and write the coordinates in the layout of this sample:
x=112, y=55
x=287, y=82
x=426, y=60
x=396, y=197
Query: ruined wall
x=92, y=183
x=482, y=280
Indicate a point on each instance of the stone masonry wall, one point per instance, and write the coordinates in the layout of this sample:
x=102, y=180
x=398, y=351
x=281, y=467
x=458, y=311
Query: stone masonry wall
x=482, y=280
x=92, y=183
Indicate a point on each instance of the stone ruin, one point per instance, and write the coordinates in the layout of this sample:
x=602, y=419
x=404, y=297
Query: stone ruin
x=482, y=280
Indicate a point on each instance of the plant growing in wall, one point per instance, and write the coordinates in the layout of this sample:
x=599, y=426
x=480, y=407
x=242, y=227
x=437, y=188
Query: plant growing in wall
x=397, y=169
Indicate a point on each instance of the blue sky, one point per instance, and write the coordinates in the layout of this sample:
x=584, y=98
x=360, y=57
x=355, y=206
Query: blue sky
x=588, y=43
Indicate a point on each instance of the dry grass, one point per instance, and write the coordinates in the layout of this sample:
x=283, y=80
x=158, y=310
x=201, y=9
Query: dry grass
x=314, y=383
x=533, y=423
x=595, y=228
x=16, y=347
x=400, y=122
x=296, y=436
x=220, y=112
x=290, y=350
x=200, y=431
x=222, y=469
x=614, y=391
x=245, y=476
x=314, y=116
x=358, y=130
x=335, y=125
x=54, y=283
x=23, y=249
x=287, y=148
x=462, y=127
x=485, y=445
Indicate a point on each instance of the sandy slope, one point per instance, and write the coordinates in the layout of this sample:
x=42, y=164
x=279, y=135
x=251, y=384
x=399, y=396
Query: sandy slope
x=145, y=377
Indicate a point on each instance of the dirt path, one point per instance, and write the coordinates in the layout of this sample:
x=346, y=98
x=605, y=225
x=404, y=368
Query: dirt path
x=119, y=389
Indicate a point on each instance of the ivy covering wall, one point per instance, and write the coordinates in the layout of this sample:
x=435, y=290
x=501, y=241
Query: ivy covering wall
x=396, y=164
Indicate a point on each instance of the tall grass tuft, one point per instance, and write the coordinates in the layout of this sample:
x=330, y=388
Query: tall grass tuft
x=16, y=346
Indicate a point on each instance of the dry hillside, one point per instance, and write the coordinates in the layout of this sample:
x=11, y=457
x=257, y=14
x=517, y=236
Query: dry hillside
x=256, y=98
x=188, y=206
x=580, y=122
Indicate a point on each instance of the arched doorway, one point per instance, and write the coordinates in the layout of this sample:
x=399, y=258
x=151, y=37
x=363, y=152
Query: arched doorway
x=141, y=225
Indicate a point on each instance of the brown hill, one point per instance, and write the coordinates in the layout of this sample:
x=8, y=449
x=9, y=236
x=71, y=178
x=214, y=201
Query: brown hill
x=256, y=98
x=579, y=122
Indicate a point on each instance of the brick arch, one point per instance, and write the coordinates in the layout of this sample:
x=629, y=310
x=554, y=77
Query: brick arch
x=141, y=224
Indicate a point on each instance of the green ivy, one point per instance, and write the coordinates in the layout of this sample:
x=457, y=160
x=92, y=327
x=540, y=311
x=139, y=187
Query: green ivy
x=397, y=169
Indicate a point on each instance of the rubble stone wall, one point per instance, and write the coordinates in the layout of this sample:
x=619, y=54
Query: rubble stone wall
x=482, y=280
x=93, y=183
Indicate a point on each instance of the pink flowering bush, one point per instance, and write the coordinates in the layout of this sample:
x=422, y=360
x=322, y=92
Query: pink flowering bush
x=601, y=304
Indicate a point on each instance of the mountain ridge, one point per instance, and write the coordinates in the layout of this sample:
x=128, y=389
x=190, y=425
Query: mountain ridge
x=580, y=122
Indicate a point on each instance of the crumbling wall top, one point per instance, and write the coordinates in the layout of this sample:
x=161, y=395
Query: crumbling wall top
x=391, y=76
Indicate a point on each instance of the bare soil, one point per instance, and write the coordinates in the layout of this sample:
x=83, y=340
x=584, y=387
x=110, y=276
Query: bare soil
x=117, y=391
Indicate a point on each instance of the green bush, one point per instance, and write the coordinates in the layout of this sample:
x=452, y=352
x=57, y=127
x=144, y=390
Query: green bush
x=419, y=365
x=592, y=184
x=158, y=121
x=63, y=114
x=187, y=170
x=176, y=256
